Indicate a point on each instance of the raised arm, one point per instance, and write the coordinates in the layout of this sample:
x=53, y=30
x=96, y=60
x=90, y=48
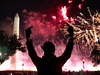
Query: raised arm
x=31, y=50
x=67, y=53
x=69, y=47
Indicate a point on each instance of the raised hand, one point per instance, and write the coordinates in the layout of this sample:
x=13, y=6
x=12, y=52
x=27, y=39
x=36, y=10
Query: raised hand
x=28, y=31
x=70, y=30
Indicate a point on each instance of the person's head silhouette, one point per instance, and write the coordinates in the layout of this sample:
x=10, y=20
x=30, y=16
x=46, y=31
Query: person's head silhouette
x=48, y=48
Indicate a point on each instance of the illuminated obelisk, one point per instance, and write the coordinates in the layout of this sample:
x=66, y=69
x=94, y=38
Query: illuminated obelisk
x=14, y=58
x=16, y=25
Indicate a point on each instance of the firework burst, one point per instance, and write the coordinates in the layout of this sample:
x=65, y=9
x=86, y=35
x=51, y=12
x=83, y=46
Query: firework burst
x=87, y=29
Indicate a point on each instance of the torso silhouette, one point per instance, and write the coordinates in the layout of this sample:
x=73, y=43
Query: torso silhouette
x=49, y=67
x=53, y=65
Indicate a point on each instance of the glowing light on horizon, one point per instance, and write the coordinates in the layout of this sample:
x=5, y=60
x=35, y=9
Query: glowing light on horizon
x=0, y=53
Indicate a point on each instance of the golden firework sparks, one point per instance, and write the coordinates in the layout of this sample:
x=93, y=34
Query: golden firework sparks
x=88, y=28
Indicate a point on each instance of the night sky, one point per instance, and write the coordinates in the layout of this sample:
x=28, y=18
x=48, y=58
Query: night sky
x=8, y=8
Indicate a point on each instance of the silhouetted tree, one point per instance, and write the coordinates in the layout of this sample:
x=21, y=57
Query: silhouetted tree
x=9, y=45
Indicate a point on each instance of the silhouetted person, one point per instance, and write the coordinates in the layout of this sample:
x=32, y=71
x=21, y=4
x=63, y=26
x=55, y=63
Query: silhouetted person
x=49, y=64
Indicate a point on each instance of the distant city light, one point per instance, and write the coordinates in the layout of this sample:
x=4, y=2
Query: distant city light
x=0, y=53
